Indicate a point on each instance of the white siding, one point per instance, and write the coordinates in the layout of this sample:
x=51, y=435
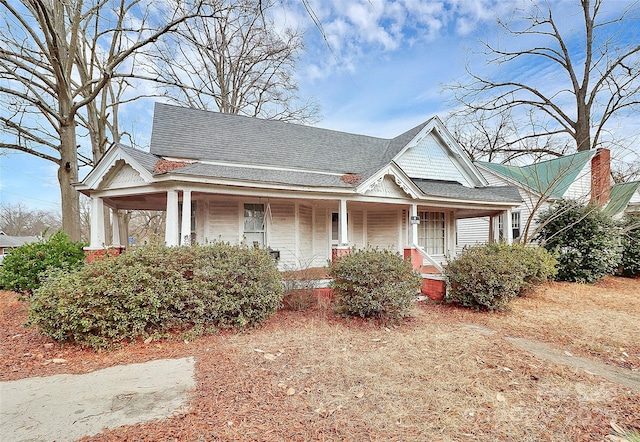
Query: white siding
x=382, y=229
x=580, y=189
x=281, y=227
x=429, y=159
x=356, y=232
x=472, y=231
x=321, y=250
x=305, y=235
x=223, y=222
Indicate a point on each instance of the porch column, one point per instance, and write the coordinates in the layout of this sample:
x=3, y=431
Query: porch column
x=97, y=223
x=413, y=231
x=185, y=232
x=343, y=238
x=172, y=234
x=115, y=228
x=494, y=228
x=508, y=226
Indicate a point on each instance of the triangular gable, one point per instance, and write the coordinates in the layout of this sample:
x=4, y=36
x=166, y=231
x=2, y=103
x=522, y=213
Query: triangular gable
x=434, y=154
x=117, y=168
x=551, y=178
x=390, y=181
x=121, y=175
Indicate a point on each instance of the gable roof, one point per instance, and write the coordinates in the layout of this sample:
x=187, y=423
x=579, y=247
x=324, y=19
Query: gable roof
x=551, y=178
x=211, y=147
x=195, y=134
x=620, y=197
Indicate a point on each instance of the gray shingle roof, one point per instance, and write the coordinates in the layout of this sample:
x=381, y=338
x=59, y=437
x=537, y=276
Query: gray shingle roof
x=262, y=175
x=16, y=241
x=145, y=159
x=204, y=135
x=449, y=189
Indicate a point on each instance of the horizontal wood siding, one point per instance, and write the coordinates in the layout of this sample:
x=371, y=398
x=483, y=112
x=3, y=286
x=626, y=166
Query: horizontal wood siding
x=472, y=231
x=382, y=229
x=356, y=233
x=223, y=223
x=305, y=235
x=282, y=232
x=321, y=252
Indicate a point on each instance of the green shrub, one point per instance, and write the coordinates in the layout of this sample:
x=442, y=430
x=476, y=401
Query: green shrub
x=630, y=262
x=374, y=283
x=487, y=277
x=22, y=269
x=240, y=285
x=586, y=239
x=153, y=290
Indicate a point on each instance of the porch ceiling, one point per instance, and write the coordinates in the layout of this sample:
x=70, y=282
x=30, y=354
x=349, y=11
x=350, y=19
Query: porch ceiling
x=149, y=201
x=470, y=213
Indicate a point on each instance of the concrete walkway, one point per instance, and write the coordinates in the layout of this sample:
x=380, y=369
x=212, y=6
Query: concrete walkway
x=67, y=407
x=544, y=351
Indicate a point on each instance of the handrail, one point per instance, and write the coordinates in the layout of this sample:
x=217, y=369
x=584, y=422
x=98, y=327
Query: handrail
x=429, y=258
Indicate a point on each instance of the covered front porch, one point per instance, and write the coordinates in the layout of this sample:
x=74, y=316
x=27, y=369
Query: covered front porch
x=304, y=231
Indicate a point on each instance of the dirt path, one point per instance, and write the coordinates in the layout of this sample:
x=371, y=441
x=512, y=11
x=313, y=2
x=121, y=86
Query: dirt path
x=541, y=350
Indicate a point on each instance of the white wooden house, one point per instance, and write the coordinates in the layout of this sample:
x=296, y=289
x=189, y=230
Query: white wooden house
x=304, y=192
x=584, y=177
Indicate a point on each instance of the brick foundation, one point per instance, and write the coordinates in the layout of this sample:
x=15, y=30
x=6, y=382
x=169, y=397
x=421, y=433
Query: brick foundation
x=415, y=256
x=337, y=253
x=434, y=289
x=94, y=255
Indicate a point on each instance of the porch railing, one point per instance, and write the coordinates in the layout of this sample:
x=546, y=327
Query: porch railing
x=428, y=257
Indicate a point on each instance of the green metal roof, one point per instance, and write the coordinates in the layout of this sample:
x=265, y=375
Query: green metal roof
x=551, y=177
x=620, y=196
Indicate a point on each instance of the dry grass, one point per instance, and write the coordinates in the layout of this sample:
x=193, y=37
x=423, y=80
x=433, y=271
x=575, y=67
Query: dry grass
x=311, y=376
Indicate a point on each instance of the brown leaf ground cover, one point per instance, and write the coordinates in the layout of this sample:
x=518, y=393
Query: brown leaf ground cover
x=312, y=376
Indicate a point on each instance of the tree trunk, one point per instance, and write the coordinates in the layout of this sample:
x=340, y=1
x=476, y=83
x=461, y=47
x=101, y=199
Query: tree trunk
x=583, y=123
x=67, y=175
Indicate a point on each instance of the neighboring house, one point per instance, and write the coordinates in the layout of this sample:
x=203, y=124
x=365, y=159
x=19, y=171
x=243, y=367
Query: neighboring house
x=584, y=176
x=306, y=193
x=7, y=243
x=624, y=199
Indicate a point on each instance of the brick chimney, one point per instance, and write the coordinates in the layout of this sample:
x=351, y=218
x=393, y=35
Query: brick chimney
x=601, y=176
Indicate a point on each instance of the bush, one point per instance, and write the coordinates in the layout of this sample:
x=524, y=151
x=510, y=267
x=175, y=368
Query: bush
x=22, y=270
x=487, y=277
x=153, y=290
x=630, y=262
x=240, y=285
x=374, y=283
x=585, y=238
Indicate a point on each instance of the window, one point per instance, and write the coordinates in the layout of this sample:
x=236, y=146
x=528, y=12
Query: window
x=335, y=228
x=254, y=224
x=431, y=232
x=515, y=225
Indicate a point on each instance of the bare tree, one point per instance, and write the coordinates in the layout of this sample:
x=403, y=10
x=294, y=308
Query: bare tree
x=490, y=137
x=56, y=59
x=592, y=81
x=235, y=63
x=19, y=220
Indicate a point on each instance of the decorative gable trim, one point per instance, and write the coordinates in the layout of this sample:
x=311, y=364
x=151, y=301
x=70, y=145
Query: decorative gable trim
x=113, y=158
x=399, y=177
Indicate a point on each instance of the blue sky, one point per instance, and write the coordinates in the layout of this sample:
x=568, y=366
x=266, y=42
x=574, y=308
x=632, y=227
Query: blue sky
x=382, y=76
